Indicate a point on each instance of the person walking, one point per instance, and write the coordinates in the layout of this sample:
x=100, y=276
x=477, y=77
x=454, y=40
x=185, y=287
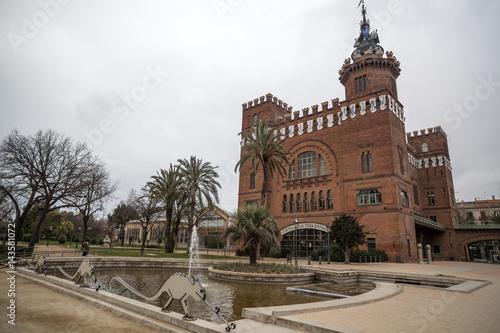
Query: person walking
x=85, y=248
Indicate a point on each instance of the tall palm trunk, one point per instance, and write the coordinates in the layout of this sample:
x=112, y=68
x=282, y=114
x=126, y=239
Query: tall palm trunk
x=167, y=233
x=264, y=185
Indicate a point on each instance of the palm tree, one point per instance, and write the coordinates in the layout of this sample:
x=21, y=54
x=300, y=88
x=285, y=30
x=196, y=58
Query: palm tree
x=166, y=187
x=495, y=218
x=200, y=187
x=254, y=226
x=262, y=147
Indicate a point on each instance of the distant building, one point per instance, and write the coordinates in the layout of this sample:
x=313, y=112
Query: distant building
x=212, y=223
x=478, y=211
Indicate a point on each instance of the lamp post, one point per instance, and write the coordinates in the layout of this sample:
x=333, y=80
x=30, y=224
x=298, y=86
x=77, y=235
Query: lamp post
x=295, y=243
x=76, y=243
x=328, y=241
x=48, y=235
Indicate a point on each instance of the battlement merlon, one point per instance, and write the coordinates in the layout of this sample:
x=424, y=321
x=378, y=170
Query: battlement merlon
x=290, y=114
x=424, y=132
x=369, y=58
x=268, y=98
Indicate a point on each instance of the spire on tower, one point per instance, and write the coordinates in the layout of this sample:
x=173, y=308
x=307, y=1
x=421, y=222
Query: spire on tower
x=367, y=40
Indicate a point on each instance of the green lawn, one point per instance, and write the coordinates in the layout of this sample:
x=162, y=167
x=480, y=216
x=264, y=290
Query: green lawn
x=152, y=253
x=129, y=251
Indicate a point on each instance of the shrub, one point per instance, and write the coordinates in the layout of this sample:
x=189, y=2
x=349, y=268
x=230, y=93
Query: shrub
x=379, y=253
x=62, y=239
x=101, y=241
x=93, y=241
x=335, y=254
x=356, y=254
x=259, y=268
x=317, y=253
x=284, y=252
x=26, y=238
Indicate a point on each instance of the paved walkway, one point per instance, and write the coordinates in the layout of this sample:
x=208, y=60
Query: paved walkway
x=420, y=309
x=416, y=309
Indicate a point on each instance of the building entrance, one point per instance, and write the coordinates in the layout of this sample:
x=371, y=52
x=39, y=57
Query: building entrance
x=484, y=250
x=304, y=240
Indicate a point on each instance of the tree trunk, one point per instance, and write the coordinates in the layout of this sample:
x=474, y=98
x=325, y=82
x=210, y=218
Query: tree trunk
x=144, y=236
x=167, y=234
x=347, y=254
x=253, y=255
x=85, y=227
x=36, y=227
x=264, y=185
x=122, y=233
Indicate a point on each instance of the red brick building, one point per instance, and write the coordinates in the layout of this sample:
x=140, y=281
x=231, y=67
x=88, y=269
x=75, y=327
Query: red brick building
x=354, y=156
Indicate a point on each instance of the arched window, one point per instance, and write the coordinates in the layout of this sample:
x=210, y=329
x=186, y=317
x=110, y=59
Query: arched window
x=306, y=164
x=369, y=160
x=321, y=201
x=252, y=180
x=425, y=147
x=285, y=204
x=364, y=164
x=329, y=199
x=291, y=203
x=291, y=172
x=314, y=203
x=322, y=166
x=306, y=202
x=255, y=119
x=299, y=203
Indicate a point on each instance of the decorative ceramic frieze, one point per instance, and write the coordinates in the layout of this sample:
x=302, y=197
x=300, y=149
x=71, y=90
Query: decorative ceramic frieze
x=319, y=121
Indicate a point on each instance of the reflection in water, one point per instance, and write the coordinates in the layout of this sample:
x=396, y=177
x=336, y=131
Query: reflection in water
x=230, y=296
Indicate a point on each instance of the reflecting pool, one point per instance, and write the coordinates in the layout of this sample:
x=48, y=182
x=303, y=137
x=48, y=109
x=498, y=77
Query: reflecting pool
x=230, y=296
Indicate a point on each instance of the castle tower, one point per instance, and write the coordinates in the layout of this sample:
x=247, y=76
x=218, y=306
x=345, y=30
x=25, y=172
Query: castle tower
x=432, y=168
x=370, y=72
x=352, y=157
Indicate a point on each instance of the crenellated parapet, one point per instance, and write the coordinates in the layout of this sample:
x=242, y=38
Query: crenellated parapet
x=268, y=98
x=369, y=59
x=426, y=132
x=334, y=114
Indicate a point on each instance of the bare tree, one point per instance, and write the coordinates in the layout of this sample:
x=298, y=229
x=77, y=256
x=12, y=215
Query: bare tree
x=19, y=180
x=148, y=210
x=94, y=191
x=45, y=169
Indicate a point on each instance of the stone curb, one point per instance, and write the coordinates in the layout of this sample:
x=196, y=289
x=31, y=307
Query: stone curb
x=277, y=314
x=260, y=277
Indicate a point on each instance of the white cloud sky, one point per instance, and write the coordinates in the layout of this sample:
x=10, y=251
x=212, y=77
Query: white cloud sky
x=70, y=74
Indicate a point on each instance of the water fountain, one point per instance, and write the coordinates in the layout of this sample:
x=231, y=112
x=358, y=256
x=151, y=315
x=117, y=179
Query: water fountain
x=194, y=254
x=180, y=286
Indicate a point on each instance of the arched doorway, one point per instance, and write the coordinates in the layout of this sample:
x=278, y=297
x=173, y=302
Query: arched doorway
x=305, y=237
x=485, y=250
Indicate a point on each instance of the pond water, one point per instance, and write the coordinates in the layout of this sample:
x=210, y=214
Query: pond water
x=230, y=296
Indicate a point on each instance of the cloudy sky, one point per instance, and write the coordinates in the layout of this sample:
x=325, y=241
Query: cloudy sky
x=148, y=82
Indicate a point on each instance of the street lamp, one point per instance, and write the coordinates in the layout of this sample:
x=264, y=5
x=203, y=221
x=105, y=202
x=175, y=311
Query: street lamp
x=328, y=241
x=295, y=243
x=76, y=243
x=48, y=235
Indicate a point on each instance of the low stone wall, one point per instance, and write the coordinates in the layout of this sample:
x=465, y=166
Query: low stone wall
x=260, y=277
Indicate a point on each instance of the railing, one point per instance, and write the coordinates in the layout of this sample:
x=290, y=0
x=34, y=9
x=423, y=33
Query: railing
x=477, y=226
